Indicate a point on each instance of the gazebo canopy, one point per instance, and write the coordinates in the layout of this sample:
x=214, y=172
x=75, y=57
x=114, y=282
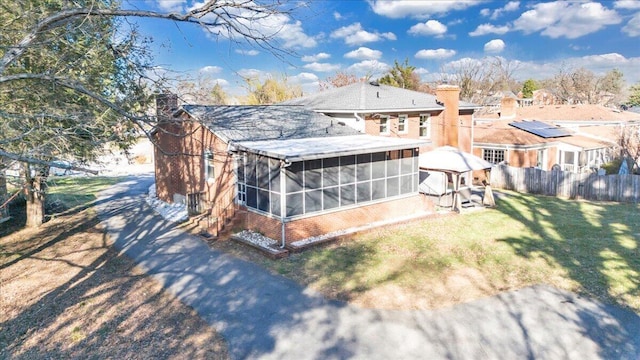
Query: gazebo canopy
x=451, y=159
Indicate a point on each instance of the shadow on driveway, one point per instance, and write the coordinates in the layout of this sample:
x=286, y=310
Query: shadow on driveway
x=262, y=315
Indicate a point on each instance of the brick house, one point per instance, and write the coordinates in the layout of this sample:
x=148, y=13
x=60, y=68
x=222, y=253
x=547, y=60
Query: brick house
x=582, y=137
x=388, y=111
x=289, y=172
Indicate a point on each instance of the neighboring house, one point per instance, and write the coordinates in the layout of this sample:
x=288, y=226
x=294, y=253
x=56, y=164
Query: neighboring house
x=292, y=173
x=389, y=111
x=577, y=138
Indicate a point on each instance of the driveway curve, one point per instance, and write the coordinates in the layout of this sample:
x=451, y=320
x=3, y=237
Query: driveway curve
x=265, y=316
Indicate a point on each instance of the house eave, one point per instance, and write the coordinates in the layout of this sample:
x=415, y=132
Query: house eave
x=320, y=148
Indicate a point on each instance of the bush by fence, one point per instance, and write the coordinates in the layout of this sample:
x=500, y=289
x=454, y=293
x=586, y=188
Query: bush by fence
x=590, y=186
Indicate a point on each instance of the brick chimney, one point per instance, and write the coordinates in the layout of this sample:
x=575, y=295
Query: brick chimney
x=449, y=97
x=508, y=108
x=166, y=104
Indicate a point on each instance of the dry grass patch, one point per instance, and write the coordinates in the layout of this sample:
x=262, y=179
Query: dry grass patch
x=66, y=293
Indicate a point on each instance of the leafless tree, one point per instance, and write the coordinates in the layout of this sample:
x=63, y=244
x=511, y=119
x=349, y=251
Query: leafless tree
x=54, y=98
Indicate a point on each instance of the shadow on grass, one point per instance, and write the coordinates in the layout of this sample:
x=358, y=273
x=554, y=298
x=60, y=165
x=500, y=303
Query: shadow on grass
x=596, y=244
x=97, y=305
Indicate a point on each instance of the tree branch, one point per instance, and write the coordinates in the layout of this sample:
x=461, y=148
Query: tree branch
x=196, y=16
x=30, y=160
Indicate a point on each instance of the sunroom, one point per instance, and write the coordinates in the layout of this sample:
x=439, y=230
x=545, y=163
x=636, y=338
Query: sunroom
x=313, y=186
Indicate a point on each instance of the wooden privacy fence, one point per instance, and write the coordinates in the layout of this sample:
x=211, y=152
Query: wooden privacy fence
x=589, y=186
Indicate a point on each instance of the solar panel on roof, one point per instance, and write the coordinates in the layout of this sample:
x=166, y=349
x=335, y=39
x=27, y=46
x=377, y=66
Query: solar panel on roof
x=540, y=128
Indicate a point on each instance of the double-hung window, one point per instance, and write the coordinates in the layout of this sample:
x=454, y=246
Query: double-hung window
x=425, y=126
x=209, y=170
x=384, y=125
x=402, y=124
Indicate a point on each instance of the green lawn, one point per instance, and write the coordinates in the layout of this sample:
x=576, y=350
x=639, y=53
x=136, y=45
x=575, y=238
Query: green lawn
x=77, y=191
x=581, y=246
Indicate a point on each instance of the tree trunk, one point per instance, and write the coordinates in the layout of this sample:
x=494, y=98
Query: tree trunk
x=35, y=194
x=35, y=202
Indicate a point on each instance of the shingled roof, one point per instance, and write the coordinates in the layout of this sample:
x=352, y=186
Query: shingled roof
x=235, y=123
x=370, y=97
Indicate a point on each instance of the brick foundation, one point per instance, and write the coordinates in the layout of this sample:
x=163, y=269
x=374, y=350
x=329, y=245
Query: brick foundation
x=340, y=220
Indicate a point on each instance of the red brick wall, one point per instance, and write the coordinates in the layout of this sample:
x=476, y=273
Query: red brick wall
x=180, y=168
x=339, y=220
x=449, y=127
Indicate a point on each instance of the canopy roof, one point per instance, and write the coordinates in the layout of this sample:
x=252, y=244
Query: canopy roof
x=450, y=159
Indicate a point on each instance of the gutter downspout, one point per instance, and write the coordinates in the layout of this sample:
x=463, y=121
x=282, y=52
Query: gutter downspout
x=358, y=118
x=283, y=201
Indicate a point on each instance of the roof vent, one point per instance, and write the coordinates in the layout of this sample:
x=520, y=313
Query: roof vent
x=374, y=83
x=378, y=94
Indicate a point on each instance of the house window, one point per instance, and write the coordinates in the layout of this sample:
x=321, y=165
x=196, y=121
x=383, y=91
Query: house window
x=494, y=156
x=425, y=126
x=542, y=159
x=384, y=125
x=209, y=170
x=402, y=124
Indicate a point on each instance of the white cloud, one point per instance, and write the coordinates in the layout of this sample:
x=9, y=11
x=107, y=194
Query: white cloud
x=309, y=82
x=578, y=47
x=247, y=52
x=294, y=37
x=485, y=29
x=364, y=53
x=171, y=5
x=627, y=4
x=354, y=34
x=303, y=77
x=599, y=64
x=221, y=82
x=369, y=67
x=633, y=26
x=279, y=26
x=252, y=73
x=435, y=54
x=509, y=7
x=322, y=67
x=315, y=58
x=485, y=12
x=431, y=27
x=210, y=69
x=337, y=15
x=421, y=71
x=419, y=9
x=566, y=19
x=494, y=46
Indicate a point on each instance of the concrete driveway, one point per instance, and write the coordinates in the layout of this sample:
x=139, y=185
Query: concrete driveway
x=266, y=316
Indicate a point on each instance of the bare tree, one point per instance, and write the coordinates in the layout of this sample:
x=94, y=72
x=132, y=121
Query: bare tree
x=75, y=75
x=340, y=79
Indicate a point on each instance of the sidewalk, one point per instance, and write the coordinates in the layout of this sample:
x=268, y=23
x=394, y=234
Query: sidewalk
x=266, y=316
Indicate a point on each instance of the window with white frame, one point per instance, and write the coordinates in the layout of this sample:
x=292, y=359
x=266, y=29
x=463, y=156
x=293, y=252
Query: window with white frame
x=425, y=126
x=403, y=126
x=494, y=156
x=209, y=170
x=384, y=125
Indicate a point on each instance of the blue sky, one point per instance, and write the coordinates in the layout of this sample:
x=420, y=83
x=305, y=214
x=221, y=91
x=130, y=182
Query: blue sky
x=537, y=39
